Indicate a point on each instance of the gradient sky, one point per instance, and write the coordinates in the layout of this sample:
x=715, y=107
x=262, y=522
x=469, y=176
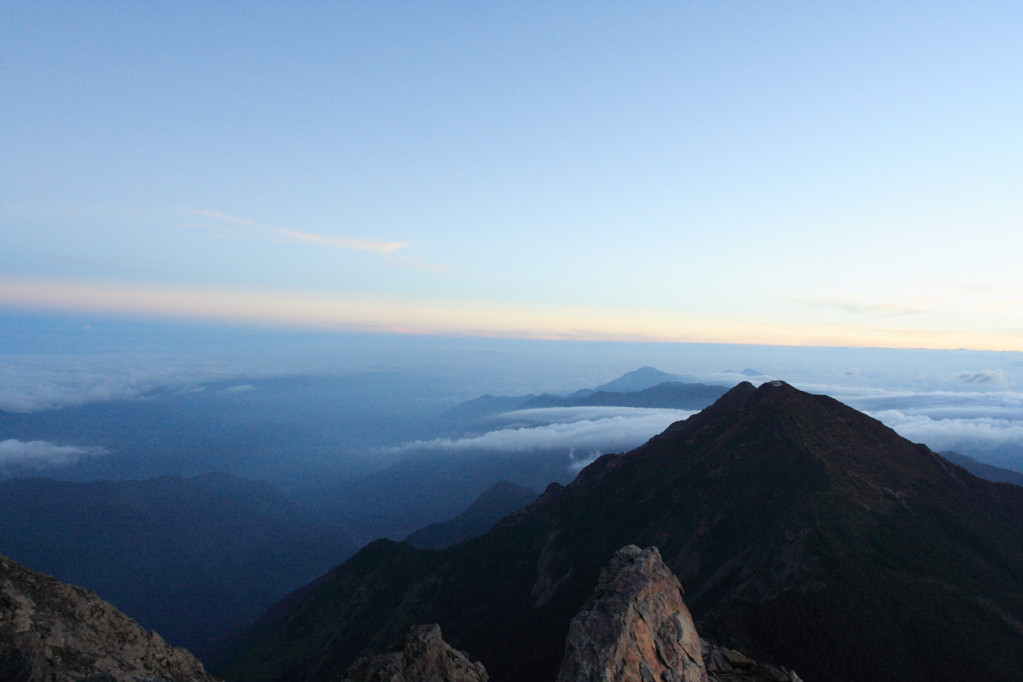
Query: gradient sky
x=756, y=172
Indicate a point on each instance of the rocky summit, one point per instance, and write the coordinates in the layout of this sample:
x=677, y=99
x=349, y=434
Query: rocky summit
x=54, y=632
x=807, y=535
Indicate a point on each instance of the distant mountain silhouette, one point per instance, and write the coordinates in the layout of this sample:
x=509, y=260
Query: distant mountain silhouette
x=644, y=387
x=192, y=558
x=493, y=505
x=986, y=471
x=639, y=379
x=804, y=533
x=748, y=372
x=471, y=411
x=671, y=394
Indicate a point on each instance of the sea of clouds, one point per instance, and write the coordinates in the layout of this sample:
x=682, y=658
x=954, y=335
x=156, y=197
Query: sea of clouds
x=950, y=400
x=607, y=429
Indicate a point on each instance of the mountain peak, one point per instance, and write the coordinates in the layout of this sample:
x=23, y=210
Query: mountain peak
x=638, y=379
x=809, y=440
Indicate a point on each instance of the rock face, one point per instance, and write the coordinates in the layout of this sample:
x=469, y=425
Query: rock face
x=57, y=632
x=635, y=628
x=728, y=665
x=423, y=656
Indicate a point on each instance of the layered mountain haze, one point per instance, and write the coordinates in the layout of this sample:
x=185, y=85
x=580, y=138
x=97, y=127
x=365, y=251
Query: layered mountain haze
x=194, y=559
x=529, y=440
x=805, y=534
x=493, y=505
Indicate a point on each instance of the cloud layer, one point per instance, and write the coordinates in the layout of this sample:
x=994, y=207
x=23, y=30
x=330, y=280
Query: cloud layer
x=40, y=454
x=603, y=429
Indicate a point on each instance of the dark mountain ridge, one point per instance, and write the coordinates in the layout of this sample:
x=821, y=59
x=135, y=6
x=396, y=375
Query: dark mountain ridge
x=193, y=558
x=495, y=503
x=804, y=533
x=669, y=394
x=986, y=471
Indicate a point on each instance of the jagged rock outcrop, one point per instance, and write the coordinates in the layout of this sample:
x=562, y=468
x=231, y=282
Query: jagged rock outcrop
x=635, y=628
x=423, y=656
x=54, y=632
x=728, y=665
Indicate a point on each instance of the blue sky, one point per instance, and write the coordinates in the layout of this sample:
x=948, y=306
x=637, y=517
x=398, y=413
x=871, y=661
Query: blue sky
x=776, y=173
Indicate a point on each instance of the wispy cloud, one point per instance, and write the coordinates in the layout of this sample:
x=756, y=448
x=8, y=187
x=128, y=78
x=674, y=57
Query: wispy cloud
x=40, y=454
x=859, y=308
x=258, y=230
x=217, y=215
x=383, y=248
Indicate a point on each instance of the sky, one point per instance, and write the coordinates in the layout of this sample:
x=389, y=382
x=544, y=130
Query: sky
x=798, y=173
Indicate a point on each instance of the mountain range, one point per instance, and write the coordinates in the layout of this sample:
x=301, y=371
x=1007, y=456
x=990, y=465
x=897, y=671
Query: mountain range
x=643, y=387
x=804, y=533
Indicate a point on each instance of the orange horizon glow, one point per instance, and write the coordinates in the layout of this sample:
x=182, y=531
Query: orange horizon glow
x=454, y=318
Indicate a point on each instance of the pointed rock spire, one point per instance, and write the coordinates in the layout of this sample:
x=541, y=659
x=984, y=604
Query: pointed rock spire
x=635, y=628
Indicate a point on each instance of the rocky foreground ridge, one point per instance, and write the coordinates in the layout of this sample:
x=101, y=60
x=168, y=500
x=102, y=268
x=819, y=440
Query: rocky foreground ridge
x=634, y=628
x=54, y=632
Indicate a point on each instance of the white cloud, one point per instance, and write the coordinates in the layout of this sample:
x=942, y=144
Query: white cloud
x=579, y=462
x=40, y=454
x=46, y=383
x=603, y=429
x=963, y=435
x=370, y=246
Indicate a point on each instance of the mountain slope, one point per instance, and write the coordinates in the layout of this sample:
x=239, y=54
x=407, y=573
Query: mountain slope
x=494, y=504
x=192, y=558
x=986, y=471
x=804, y=533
